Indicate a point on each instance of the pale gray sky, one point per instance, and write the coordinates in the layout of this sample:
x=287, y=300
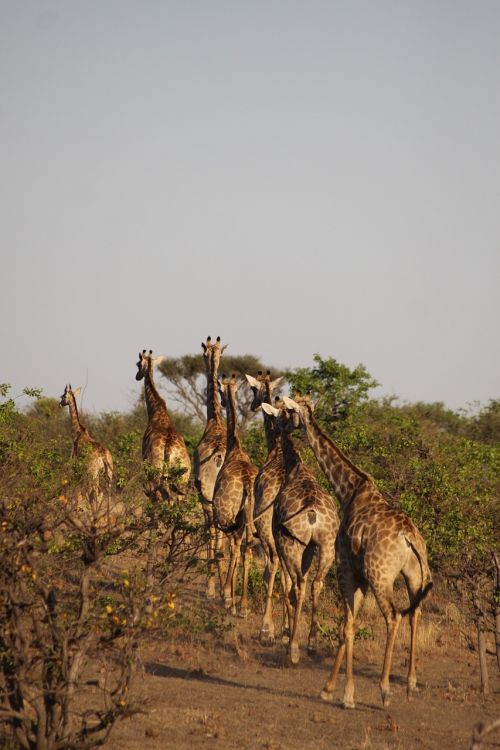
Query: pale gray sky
x=295, y=177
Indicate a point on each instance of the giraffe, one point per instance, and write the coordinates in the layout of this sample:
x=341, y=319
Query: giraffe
x=98, y=460
x=162, y=447
x=305, y=519
x=209, y=457
x=233, y=499
x=266, y=487
x=375, y=543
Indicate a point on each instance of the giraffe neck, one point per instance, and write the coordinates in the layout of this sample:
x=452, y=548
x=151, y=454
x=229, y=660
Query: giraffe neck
x=213, y=402
x=291, y=456
x=76, y=426
x=343, y=475
x=270, y=426
x=154, y=401
x=233, y=433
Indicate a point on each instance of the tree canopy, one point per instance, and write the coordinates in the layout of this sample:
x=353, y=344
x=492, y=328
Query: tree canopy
x=186, y=382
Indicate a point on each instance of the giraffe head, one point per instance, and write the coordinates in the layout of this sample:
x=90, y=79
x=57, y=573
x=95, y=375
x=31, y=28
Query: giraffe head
x=300, y=408
x=68, y=394
x=263, y=388
x=146, y=363
x=281, y=414
x=212, y=353
x=228, y=386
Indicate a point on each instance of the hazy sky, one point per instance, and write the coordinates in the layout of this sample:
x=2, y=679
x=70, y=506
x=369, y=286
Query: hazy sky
x=296, y=177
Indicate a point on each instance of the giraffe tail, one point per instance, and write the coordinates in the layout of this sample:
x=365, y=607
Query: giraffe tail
x=418, y=600
x=426, y=577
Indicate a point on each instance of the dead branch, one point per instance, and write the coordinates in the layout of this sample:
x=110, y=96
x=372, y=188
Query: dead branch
x=480, y=731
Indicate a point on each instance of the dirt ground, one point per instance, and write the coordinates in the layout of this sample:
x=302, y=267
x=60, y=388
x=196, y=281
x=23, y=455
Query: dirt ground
x=236, y=693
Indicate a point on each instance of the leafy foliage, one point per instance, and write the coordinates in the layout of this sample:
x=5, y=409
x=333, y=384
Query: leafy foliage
x=422, y=456
x=442, y=467
x=339, y=389
x=70, y=619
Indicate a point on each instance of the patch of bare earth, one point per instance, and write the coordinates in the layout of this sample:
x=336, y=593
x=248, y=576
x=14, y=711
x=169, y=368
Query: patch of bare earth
x=235, y=693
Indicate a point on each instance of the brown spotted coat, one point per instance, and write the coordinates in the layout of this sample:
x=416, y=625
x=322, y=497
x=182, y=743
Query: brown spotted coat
x=163, y=448
x=376, y=542
x=234, y=499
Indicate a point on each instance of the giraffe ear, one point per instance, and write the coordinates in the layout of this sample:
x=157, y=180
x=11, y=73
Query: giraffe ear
x=223, y=348
x=270, y=410
x=252, y=382
x=276, y=383
x=77, y=391
x=291, y=404
x=158, y=360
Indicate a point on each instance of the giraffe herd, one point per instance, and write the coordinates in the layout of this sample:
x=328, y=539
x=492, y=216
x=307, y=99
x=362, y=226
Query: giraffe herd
x=283, y=507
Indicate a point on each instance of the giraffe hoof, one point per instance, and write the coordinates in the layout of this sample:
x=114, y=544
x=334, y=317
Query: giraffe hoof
x=386, y=698
x=266, y=637
x=411, y=692
x=326, y=695
x=294, y=656
x=348, y=704
x=244, y=613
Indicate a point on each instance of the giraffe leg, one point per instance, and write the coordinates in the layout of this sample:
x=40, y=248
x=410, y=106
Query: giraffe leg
x=234, y=572
x=412, y=666
x=326, y=555
x=327, y=692
x=228, y=587
x=220, y=552
x=353, y=593
x=210, y=529
x=299, y=590
x=348, y=699
x=412, y=576
x=286, y=584
x=298, y=561
x=392, y=629
x=247, y=560
x=251, y=529
x=392, y=620
x=211, y=562
x=267, y=627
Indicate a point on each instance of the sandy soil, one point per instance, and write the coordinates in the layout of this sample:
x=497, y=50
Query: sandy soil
x=236, y=693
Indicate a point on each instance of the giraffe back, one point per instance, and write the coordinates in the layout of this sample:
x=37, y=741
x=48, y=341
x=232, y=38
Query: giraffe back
x=379, y=539
x=267, y=486
x=233, y=487
x=163, y=448
x=304, y=509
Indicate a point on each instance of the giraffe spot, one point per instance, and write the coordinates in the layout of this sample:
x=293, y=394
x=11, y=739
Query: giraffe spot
x=311, y=517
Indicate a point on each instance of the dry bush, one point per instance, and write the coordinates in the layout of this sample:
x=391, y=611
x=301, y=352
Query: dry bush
x=63, y=609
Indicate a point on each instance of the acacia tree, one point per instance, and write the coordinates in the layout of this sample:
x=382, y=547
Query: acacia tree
x=186, y=382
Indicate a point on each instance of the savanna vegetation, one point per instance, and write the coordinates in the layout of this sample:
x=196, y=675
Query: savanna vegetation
x=75, y=604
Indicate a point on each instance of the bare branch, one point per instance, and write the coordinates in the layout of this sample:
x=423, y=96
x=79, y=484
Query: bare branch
x=480, y=732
